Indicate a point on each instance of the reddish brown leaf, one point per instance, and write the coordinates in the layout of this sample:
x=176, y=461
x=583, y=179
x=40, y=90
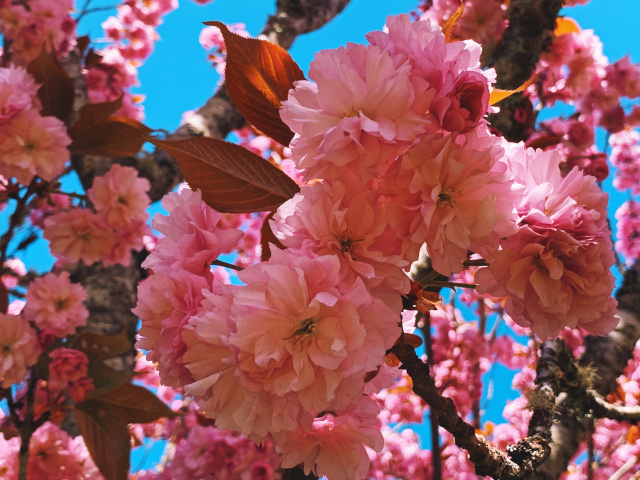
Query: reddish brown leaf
x=92, y=59
x=98, y=347
x=259, y=75
x=117, y=137
x=106, y=378
x=4, y=298
x=267, y=237
x=232, y=179
x=136, y=404
x=57, y=91
x=106, y=435
x=93, y=114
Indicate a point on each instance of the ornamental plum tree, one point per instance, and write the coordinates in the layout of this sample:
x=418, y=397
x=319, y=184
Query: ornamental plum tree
x=404, y=192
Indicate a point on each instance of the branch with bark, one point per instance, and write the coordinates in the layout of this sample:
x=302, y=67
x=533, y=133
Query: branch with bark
x=523, y=457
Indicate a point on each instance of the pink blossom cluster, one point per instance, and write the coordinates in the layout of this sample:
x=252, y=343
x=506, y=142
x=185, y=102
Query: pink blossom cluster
x=625, y=157
x=30, y=145
x=575, y=70
x=209, y=452
x=401, y=457
x=55, y=304
x=31, y=25
x=132, y=34
x=68, y=373
x=555, y=271
x=618, y=448
x=628, y=243
x=19, y=349
x=117, y=226
x=461, y=354
x=53, y=455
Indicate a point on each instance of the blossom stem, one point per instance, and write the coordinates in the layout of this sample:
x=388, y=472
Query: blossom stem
x=220, y=263
x=451, y=284
x=480, y=262
x=16, y=219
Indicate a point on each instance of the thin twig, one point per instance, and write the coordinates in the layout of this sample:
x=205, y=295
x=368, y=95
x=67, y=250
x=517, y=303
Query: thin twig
x=603, y=409
x=436, y=459
x=94, y=10
x=628, y=465
x=220, y=263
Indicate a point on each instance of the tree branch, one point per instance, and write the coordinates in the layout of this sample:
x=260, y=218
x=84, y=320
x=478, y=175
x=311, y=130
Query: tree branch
x=603, y=409
x=608, y=355
x=531, y=23
x=526, y=455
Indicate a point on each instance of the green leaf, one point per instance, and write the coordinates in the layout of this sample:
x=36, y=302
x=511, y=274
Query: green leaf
x=106, y=435
x=232, y=179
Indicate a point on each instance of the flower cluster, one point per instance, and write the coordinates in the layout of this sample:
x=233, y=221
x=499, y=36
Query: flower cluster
x=35, y=24
x=555, y=270
x=117, y=226
x=68, y=372
x=56, y=304
x=132, y=34
x=391, y=142
x=30, y=144
x=53, y=455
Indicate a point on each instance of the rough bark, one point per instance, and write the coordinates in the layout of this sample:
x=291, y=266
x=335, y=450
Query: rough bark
x=531, y=23
x=609, y=356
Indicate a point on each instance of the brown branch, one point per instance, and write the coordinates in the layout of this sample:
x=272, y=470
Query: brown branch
x=603, y=409
x=607, y=355
x=527, y=454
x=531, y=23
x=487, y=460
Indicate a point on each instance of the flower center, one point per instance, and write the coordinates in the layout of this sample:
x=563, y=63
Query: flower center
x=305, y=329
x=445, y=197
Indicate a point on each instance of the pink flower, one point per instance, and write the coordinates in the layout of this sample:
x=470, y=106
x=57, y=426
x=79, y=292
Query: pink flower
x=300, y=330
x=459, y=198
x=331, y=218
x=195, y=234
x=628, y=243
x=469, y=101
x=78, y=234
x=120, y=196
x=335, y=444
x=17, y=93
x=166, y=301
x=34, y=145
x=555, y=270
x=19, y=349
x=68, y=371
x=54, y=302
x=357, y=115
